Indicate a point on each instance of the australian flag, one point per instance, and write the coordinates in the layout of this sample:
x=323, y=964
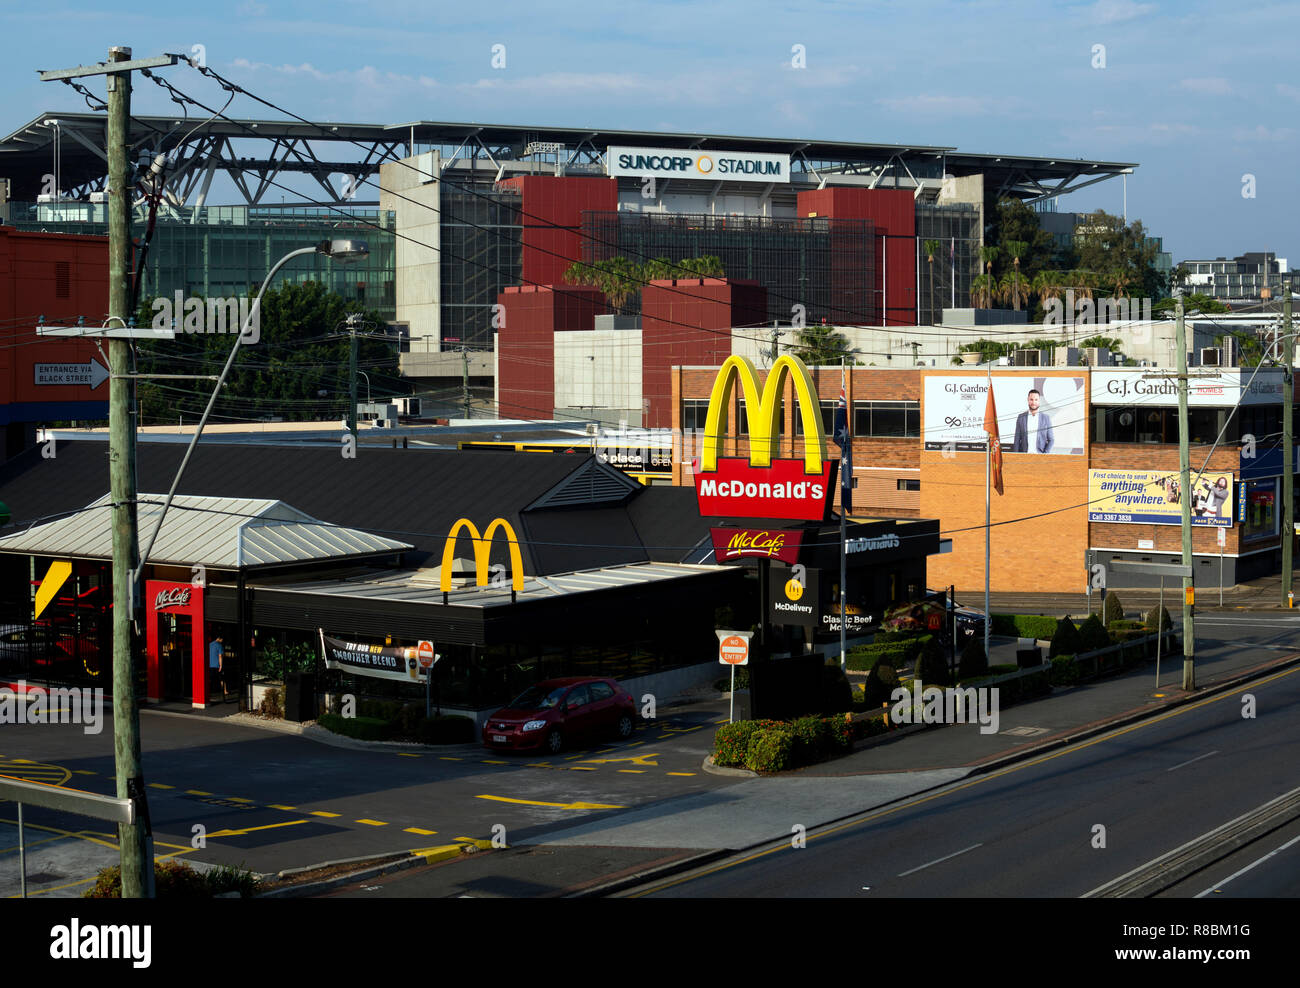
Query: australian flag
x=844, y=441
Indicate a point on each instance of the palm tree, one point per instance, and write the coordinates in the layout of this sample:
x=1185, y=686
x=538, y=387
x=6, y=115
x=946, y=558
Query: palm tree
x=1010, y=289
x=932, y=247
x=988, y=255
x=1016, y=248
x=982, y=288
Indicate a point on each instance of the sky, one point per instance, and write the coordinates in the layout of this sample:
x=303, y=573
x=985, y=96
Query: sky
x=1202, y=96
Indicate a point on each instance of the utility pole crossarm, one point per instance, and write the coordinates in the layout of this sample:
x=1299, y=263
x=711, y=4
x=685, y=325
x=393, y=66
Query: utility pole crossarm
x=109, y=68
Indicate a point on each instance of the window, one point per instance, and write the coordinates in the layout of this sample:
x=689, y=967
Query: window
x=908, y=485
x=601, y=691
x=1260, y=521
x=695, y=412
x=887, y=418
x=828, y=418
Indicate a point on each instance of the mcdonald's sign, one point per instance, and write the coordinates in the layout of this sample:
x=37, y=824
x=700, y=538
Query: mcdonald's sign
x=482, y=553
x=764, y=486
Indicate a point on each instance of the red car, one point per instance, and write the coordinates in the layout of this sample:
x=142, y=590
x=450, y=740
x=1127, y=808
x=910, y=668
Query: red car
x=558, y=711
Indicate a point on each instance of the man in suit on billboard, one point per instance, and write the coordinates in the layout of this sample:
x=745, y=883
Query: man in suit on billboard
x=1033, y=429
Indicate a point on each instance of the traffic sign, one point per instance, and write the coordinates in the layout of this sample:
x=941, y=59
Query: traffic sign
x=92, y=373
x=425, y=653
x=1223, y=536
x=733, y=647
x=1190, y=595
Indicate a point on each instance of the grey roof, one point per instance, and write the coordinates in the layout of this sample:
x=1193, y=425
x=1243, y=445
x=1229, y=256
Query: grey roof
x=421, y=587
x=219, y=532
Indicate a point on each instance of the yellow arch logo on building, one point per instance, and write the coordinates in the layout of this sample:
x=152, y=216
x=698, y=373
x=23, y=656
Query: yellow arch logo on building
x=482, y=553
x=764, y=412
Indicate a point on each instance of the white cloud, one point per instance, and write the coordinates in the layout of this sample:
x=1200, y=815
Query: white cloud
x=1262, y=133
x=1212, y=85
x=251, y=8
x=1115, y=11
x=941, y=105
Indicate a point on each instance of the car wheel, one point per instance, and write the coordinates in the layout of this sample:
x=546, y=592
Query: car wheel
x=554, y=741
x=625, y=726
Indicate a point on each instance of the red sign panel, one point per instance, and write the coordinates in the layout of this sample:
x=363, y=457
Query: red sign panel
x=782, y=490
x=730, y=544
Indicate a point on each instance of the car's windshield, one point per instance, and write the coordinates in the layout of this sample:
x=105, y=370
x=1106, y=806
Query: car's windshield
x=538, y=698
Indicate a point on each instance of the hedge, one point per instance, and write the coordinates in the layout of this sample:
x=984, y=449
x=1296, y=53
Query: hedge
x=896, y=652
x=361, y=728
x=1023, y=626
x=731, y=742
x=770, y=750
x=772, y=745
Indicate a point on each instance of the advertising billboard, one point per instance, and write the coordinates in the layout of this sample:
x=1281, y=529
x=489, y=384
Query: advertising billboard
x=1205, y=388
x=1036, y=414
x=724, y=166
x=1153, y=497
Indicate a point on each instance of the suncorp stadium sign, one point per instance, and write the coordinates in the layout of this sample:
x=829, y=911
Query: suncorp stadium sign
x=727, y=166
x=762, y=486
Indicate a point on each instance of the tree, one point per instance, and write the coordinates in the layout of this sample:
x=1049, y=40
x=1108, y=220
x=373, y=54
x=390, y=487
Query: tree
x=1106, y=342
x=987, y=349
x=1195, y=302
x=982, y=290
x=619, y=278
x=297, y=370
x=821, y=346
x=932, y=247
x=1015, y=248
x=1016, y=224
x=1122, y=256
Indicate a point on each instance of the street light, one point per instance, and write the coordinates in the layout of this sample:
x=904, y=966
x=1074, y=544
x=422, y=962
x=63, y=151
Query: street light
x=342, y=251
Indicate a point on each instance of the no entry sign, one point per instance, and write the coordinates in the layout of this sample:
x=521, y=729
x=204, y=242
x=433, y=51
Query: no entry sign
x=733, y=647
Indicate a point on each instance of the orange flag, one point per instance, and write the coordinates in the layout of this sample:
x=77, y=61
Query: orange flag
x=995, y=443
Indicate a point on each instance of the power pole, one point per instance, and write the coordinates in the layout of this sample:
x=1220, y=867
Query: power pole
x=136, y=841
x=353, y=318
x=1185, y=500
x=1288, y=480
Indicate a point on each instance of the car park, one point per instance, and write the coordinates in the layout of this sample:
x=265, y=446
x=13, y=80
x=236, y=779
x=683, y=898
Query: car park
x=557, y=712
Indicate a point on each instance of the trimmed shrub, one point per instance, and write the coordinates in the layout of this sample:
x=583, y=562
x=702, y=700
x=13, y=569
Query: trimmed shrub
x=973, y=660
x=836, y=693
x=1165, y=621
x=870, y=727
x=1023, y=625
x=1064, y=672
x=839, y=733
x=1065, y=640
x=448, y=729
x=881, y=682
x=361, y=728
x=731, y=741
x=932, y=665
x=1092, y=635
x=1112, y=610
x=770, y=750
x=1120, y=635
x=273, y=702
x=811, y=739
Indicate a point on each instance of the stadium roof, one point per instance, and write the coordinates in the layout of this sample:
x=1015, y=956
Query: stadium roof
x=26, y=155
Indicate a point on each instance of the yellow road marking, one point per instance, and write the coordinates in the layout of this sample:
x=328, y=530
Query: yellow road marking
x=26, y=770
x=420, y=831
x=679, y=773
x=489, y=761
x=280, y=806
x=562, y=806
x=408, y=754
x=249, y=830
x=238, y=799
x=160, y=785
x=633, y=771
x=373, y=823
x=582, y=768
x=634, y=759
x=83, y=771
x=197, y=792
x=323, y=813
x=980, y=780
x=22, y=761
x=450, y=758
x=539, y=765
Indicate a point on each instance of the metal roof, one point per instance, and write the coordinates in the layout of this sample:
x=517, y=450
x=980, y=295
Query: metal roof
x=416, y=587
x=218, y=532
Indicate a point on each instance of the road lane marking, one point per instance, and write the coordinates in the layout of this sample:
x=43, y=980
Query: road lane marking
x=408, y=754
x=450, y=758
x=196, y=792
x=83, y=771
x=634, y=759
x=160, y=785
x=238, y=799
x=562, y=806
x=1190, y=760
x=248, y=830
x=679, y=773
x=323, y=813
x=419, y=830
x=1219, y=885
x=936, y=861
x=633, y=771
x=373, y=823
x=489, y=761
x=582, y=768
x=912, y=804
x=281, y=806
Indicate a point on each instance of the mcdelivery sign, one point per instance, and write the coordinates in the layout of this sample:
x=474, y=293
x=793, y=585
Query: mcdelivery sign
x=762, y=486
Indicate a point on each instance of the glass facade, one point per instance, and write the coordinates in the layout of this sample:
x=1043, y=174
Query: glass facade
x=887, y=418
x=481, y=254
x=826, y=265
x=1260, y=521
x=945, y=282
x=216, y=251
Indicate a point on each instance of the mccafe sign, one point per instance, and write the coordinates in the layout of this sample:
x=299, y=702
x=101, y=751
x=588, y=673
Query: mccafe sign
x=173, y=597
x=730, y=544
x=762, y=486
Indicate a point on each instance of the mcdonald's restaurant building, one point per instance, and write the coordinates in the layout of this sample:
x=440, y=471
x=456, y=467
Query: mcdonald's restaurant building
x=559, y=565
x=1091, y=478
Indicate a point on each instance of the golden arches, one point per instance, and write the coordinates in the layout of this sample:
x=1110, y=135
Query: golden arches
x=482, y=553
x=765, y=426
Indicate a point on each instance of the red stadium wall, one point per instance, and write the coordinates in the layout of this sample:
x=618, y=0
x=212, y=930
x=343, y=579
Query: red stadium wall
x=688, y=322
x=893, y=213
x=552, y=221
x=526, y=343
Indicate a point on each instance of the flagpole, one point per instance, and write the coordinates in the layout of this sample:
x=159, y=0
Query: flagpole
x=843, y=525
x=988, y=474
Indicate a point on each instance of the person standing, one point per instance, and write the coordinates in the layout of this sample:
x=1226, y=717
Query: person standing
x=1033, y=428
x=217, y=665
